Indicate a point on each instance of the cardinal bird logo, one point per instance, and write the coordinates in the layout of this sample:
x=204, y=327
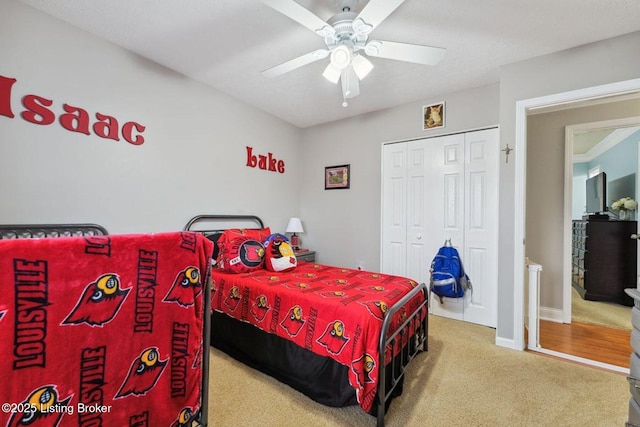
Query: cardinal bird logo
x=333, y=337
x=333, y=294
x=186, y=287
x=233, y=298
x=143, y=373
x=43, y=409
x=372, y=289
x=298, y=285
x=99, y=303
x=293, y=322
x=363, y=368
x=377, y=308
x=184, y=418
x=260, y=308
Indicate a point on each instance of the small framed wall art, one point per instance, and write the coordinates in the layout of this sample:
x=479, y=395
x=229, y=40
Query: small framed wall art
x=337, y=177
x=433, y=116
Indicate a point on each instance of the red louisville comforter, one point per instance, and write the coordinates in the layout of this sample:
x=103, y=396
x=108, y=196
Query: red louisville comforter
x=331, y=311
x=102, y=330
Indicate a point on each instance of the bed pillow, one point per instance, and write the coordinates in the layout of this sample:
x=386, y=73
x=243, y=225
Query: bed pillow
x=279, y=254
x=237, y=256
x=241, y=255
x=259, y=234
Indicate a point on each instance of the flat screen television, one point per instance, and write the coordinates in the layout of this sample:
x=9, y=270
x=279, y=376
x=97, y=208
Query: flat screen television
x=597, y=194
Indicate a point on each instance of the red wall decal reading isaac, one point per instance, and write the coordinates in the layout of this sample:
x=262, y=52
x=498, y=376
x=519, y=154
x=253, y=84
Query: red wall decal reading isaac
x=73, y=119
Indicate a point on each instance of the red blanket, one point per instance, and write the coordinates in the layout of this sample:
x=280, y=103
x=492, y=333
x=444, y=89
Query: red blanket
x=331, y=311
x=103, y=330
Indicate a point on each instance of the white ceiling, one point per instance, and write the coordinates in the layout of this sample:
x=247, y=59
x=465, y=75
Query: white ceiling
x=227, y=43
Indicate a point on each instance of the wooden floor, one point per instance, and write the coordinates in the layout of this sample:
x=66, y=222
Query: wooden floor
x=605, y=345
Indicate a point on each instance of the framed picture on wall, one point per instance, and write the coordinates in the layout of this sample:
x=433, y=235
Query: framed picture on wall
x=433, y=116
x=337, y=177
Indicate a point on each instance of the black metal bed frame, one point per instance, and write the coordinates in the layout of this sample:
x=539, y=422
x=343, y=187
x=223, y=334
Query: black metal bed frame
x=37, y=231
x=411, y=335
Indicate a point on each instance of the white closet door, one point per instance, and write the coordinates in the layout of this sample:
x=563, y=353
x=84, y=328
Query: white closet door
x=480, y=255
x=394, y=209
x=417, y=203
x=437, y=189
x=447, y=208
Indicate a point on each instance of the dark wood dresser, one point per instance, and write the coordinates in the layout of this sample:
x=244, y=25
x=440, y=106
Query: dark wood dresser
x=604, y=260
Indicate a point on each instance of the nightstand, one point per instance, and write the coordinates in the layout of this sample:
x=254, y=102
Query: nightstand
x=309, y=256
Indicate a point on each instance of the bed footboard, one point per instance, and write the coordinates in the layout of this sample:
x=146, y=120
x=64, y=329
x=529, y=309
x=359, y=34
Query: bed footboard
x=412, y=337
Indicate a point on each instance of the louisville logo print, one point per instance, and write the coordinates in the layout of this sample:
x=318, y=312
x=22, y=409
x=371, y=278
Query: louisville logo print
x=44, y=409
x=333, y=338
x=293, y=322
x=233, y=298
x=377, y=308
x=184, y=418
x=260, y=308
x=99, y=303
x=186, y=287
x=363, y=368
x=143, y=373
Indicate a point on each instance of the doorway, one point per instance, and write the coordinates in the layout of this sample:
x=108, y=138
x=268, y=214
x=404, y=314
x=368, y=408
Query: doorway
x=568, y=100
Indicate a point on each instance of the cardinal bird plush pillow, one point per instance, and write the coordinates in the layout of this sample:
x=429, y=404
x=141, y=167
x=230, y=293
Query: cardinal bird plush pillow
x=279, y=255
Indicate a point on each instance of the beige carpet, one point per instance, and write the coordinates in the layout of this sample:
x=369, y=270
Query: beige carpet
x=464, y=380
x=599, y=312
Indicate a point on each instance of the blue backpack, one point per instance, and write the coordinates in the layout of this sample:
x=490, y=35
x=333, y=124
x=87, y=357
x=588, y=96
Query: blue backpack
x=448, y=278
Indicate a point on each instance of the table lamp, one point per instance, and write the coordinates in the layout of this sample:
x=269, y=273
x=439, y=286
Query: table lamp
x=295, y=226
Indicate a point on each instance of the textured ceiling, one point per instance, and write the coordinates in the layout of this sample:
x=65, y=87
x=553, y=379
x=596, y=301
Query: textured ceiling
x=227, y=43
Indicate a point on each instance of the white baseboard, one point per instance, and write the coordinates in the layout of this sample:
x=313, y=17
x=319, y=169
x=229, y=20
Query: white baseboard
x=506, y=342
x=551, y=314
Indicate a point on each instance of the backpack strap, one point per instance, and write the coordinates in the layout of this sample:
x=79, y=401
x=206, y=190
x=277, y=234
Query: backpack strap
x=431, y=292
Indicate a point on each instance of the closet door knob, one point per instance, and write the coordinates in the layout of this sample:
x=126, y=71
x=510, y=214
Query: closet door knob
x=419, y=236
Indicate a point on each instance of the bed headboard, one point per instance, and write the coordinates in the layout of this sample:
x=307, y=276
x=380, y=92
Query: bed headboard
x=30, y=231
x=211, y=223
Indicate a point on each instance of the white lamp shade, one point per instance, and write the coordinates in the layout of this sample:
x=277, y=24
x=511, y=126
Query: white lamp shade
x=294, y=226
x=331, y=73
x=362, y=66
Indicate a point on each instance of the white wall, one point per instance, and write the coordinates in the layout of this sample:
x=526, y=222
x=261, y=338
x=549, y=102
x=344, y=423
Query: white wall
x=607, y=61
x=193, y=160
x=344, y=225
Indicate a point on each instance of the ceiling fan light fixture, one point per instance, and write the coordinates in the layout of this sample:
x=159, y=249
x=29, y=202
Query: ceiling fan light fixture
x=332, y=74
x=362, y=66
x=341, y=57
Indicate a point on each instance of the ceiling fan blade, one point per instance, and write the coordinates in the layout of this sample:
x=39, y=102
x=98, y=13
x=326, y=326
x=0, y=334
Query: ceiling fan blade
x=296, y=63
x=302, y=16
x=419, y=54
x=350, y=83
x=373, y=14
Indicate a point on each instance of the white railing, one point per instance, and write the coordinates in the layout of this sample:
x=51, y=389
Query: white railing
x=532, y=302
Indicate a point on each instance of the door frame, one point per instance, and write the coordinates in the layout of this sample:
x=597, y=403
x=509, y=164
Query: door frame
x=522, y=107
x=570, y=131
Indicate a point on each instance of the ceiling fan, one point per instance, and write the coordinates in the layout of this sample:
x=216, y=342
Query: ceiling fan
x=346, y=36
